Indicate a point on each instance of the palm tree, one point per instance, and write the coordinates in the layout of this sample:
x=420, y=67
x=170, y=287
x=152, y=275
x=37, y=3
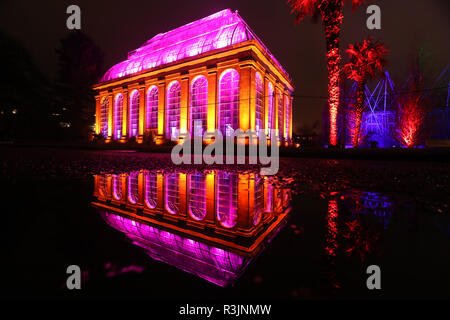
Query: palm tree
x=367, y=59
x=331, y=12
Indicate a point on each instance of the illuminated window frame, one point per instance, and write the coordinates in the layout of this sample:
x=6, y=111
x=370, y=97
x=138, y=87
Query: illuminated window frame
x=152, y=108
x=199, y=104
x=259, y=100
x=173, y=108
x=229, y=102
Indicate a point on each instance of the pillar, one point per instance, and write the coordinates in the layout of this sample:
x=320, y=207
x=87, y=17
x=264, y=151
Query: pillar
x=184, y=105
x=142, y=117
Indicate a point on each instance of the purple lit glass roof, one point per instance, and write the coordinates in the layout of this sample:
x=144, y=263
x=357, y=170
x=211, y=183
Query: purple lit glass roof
x=219, y=30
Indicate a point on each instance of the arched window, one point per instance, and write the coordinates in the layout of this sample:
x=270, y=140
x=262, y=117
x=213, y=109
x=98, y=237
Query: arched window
x=280, y=116
x=270, y=109
x=118, y=116
x=173, y=108
x=134, y=113
x=229, y=102
x=117, y=187
x=172, y=198
x=152, y=108
x=197, y=196
x=199, y=103
x=133, y=187
x=259, y=109
x=259, y=200
x=104, y=117
x=227, y=199
x=151, y=188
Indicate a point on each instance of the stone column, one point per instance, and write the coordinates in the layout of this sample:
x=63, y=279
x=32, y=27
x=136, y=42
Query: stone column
x=184, y=105
x=97, y=114
x=161, y=111
x=125, y=120
x=245, y=77
x=110, y=117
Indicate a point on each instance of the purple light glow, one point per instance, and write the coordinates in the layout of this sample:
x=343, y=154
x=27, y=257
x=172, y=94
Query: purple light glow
x=133, y=187
x=197, y=196
x=259, y=116
x=199, y=102
x=104, y=117
x=173, y=108
x=118, y=115
x=216, y=31
x=208, y=262
x=152, y=107
x=151, y=190
x=271, y=113
x=172, y=197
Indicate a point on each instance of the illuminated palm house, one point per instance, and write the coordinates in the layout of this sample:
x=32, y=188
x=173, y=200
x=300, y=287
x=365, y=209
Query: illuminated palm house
x=214, y=71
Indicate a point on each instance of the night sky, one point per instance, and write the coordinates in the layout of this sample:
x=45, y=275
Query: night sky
x=121, y=26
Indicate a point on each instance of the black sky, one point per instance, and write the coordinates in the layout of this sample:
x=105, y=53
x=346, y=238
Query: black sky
x=121, y=26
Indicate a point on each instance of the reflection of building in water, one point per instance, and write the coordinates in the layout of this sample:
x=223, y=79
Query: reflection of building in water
x=208, y=224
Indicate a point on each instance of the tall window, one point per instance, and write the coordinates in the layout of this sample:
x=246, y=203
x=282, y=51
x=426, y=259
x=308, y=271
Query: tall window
x=152, y=108
x=172, y=198
x=280, y=116
x=104, y=117
x=270, y=109
x=118, y=116
x=199, y=103
x=227, y=199
x=134, y=113
x=173, y=108
x=259, y=102
x=117, y=187
x=151, y=192
x=197, y=196
x=229, y=102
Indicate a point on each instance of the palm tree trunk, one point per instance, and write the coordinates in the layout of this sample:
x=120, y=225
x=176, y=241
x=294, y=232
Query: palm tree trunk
x=332, y=19
x=358, y=113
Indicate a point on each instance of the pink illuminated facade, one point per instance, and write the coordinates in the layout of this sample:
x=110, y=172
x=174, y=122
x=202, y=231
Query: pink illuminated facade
x=214, y=70
x=210, y=224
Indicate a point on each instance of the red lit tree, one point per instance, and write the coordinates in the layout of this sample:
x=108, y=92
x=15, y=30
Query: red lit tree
x=367, y=59
x=411, y=114
x=331, y=12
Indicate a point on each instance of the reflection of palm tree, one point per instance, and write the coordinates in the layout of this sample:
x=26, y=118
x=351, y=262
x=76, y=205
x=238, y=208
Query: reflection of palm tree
x=331, y=12
x=366, y=60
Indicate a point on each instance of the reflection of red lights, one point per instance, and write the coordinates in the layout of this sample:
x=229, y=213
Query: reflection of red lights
x=332, y=227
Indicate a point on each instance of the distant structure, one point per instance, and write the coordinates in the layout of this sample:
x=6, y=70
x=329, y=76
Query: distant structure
x=214, y=70
x=379, y=121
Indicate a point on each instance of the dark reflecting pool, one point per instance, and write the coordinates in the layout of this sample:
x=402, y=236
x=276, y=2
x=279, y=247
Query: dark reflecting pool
x=193, y=234
x=209, y=224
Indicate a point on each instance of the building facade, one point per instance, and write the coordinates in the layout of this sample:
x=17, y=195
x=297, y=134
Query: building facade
x=214, y=71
